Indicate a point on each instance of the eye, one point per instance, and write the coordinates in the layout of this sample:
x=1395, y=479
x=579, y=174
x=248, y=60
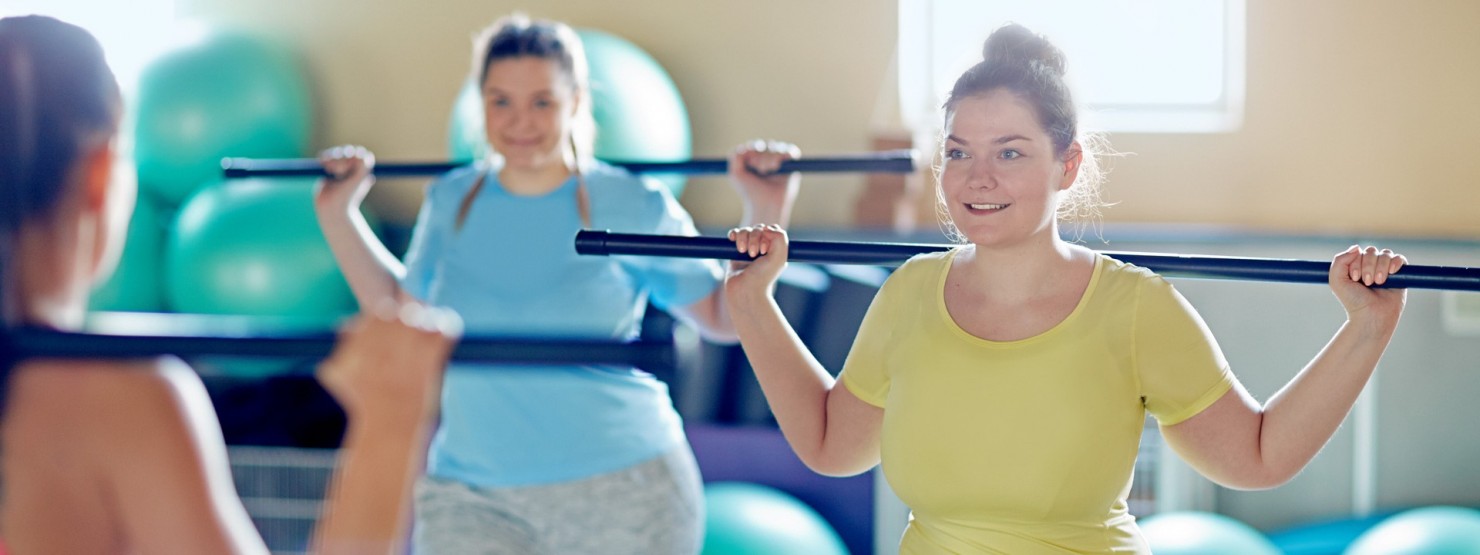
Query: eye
x=956, y=154
x=1010, y=154
x=543, y=103
x=499, y=102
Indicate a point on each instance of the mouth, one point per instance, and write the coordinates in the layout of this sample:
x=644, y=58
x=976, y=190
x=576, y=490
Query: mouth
x=984, y=208
x=522, y=142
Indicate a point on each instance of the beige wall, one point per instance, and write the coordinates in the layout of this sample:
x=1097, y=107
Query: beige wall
x=1361, y=116
x=806, y=71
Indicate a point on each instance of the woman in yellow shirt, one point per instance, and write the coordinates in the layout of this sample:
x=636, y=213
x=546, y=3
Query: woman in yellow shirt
x=1003, y=384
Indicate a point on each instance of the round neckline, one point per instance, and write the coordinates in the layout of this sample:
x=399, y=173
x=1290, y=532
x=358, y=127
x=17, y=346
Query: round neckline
x=945, y=314
x=491, y=171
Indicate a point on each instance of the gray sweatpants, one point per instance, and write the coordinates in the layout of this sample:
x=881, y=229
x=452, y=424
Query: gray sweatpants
x=652, y=508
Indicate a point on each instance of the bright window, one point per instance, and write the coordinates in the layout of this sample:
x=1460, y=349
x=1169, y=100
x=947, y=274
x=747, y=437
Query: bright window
x=1172, y=66
x=132, y=32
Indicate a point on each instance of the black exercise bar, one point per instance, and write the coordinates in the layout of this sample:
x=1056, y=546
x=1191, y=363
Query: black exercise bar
x=892, y=254
x=192, y=335
x=892, y=161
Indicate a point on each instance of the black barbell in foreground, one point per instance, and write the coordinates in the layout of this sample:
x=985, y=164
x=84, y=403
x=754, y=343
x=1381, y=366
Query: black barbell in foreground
x=195, y=335
x=892, y=161
x=891, y=254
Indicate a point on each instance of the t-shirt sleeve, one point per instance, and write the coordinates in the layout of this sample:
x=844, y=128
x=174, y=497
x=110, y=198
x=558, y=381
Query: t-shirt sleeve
x=427, y=242
x=672, y=282
x=1181, y=369
x=864, y=372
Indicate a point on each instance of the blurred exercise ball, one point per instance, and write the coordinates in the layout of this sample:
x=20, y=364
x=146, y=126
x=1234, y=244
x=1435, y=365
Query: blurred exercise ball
x=1329, y=537
x=137, y=284
x=1425, y=531
x=228, y=94
x=1197, y=533
x=466, y=139
x=639, y=113
x=743, y=518
x=254, y=247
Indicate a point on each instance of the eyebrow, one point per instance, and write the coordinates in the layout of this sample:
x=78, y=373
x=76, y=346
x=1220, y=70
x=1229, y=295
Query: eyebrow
x=999, y=140
x=501, y=92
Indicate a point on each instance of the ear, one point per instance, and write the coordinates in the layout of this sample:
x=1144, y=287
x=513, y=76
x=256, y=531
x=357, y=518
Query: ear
x=576, y=98
x=97, y=176
x=1073, y=156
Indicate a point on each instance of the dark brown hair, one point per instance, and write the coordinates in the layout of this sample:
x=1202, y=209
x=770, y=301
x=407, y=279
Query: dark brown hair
x=1026, y=64
x=57, y=99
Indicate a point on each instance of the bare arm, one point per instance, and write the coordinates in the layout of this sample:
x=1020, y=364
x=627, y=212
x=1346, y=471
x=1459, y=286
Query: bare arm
x=767, y=200
x=372, y=271
x=1240, y=444
x=386, y=372
x=832, y=431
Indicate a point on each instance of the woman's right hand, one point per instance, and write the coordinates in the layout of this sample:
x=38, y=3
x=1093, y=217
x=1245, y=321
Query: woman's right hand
x=349, y=178
x=1354, y=272
x=768, y=245
x=386, y=368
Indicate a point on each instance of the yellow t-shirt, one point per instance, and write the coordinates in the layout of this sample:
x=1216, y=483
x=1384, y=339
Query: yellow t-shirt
x=1027, y=446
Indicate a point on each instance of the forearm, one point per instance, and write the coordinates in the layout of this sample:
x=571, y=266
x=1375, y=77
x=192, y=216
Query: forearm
x=372, y=271
x=717, y=323
x=795, y=385
x=1299, y=419
x=367, y=508
x=757, y=213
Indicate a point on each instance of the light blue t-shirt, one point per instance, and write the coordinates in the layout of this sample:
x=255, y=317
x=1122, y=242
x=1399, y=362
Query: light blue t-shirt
x=512, y=270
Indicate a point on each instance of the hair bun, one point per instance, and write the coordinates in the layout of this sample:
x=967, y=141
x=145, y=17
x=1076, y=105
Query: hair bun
x=1015, y=44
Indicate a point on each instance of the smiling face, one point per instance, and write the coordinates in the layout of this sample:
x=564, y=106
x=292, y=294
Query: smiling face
x=529, y=107
x=1002, y=176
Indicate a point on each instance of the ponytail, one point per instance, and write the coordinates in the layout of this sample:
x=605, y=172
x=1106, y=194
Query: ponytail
x=57, y=99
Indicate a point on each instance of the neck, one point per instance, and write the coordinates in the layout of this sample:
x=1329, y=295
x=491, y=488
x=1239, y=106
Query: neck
x=49, y=289
x=536, y=179
x=1025, y=269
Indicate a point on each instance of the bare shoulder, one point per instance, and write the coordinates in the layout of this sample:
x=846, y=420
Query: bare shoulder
x=97, y=398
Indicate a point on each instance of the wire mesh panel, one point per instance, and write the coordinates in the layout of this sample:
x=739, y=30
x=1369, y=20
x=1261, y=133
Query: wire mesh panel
x=283, y=490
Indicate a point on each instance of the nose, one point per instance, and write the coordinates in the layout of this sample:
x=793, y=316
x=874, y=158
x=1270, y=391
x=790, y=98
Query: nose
x=979, y=176
x=522, y=118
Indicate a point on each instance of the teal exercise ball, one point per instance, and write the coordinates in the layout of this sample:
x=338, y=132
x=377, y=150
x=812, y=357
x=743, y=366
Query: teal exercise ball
x=743, y=518
x=1198, y=533
x=253, y=247
x=466, y=139
x=228, y=94
x=639, y=113
x=1424, y=531
x=137, y=283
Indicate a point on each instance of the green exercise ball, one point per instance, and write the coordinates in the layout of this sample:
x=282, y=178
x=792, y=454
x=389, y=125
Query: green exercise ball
x=743, y=518
x=137, y=283
x=229, y=94
x=254, y=247
x=1425, y=531
x=1198, y=533
x=639, y=113
x=466, y=139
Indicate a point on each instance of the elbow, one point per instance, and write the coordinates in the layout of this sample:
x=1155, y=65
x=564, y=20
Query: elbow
x=1259, y=479
x=712, y=319
x=834, y=470
x=719, y=335
x=833, y=466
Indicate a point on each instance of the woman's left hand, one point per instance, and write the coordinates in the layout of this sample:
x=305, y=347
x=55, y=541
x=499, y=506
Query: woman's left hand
x=767, y=195
x=1354, y=271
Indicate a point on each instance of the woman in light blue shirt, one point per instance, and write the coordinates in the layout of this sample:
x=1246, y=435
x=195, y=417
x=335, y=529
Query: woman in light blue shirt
x=548, y=459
